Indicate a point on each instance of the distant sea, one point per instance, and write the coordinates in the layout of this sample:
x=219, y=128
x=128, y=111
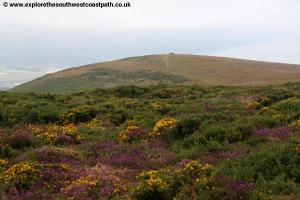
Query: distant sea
x=5, y=85
x=3, y=88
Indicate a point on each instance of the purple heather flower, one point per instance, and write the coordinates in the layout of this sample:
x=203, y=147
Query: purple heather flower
x=263, y=132
x=280, y=133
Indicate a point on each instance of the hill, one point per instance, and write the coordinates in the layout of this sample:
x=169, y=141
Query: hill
x=167, y=69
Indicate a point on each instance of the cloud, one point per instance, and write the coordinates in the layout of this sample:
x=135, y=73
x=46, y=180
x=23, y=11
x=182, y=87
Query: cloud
x=285, y=51
x=158, y=15
x=41, y=40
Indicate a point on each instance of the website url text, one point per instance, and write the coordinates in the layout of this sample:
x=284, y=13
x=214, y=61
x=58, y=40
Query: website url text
x=67, y=5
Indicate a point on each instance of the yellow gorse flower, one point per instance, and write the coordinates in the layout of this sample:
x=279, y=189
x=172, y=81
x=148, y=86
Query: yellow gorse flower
x=51, y=132
x=297, y=149
x=3, y=162
x=48, y=133
x=164, y=123
x=94, y=124
x=206, y=167
x=196, y=167
x=265, y=109
x=65, y=118
x=254, y=105
x=294, y=125
x=202, y=181
x=69, y=130
x=157, y=106
x=152, y=179
x=199, y=174
x=123, y=135
x=279, y=116
x=19, y=170
x=85, y=181
x=192, y=165
x=127, y=128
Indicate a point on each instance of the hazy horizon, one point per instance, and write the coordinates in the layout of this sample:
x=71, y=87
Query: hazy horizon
x=38, y=41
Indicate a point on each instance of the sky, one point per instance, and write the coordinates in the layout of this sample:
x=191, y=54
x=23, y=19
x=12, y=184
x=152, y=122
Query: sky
x=37, y=41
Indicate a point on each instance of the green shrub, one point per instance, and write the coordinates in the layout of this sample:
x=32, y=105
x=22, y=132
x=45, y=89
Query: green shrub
x=279, y=160
x=216, y=133
x=289, y=107
x=185, y=127
x=50, y=114
x=266, y=121
x=278, y=185
x=5, y=151
x=119, y=116
x=129, y=91
x=280, y=95
x=239, y=131
x=193, y=140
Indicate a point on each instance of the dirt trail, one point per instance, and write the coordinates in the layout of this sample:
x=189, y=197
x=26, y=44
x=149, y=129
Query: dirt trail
x=166, y=59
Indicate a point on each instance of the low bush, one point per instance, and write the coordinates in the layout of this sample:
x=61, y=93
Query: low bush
x=20, y=175
x=21, y=139
x=279, y=160
x=79, y=114
x=129, y=91
x=185, y=127
x=119, y=116
x=189, y=180
x=5, y=151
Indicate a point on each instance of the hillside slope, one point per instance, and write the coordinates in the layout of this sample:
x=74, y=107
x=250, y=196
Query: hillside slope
x=169, y=69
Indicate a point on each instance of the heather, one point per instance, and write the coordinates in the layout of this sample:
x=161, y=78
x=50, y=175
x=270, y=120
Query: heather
x=156, y=142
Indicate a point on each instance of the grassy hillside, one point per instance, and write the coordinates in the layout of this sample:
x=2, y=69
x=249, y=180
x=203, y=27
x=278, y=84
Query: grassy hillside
x=167, y=69
x=160, y=142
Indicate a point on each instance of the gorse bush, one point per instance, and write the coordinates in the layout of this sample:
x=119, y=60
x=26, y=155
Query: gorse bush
x=20, y=175
x=35, y=113
x=167, y=184
x=130, y=91
x=274, y=171
x=279, y=161
x=189, y=180
x=120, y=116
x=160, y=128
x=277, y=96
x=161, y=107
x=79, y=114
x=185, y=127
x=289, y=107
x=57, y=134
x=232, y=132
x=131, y=134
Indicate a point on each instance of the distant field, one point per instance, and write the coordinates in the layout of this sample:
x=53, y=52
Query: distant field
x=167, y=69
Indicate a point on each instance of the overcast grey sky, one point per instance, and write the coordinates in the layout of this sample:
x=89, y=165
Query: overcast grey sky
x=42, y=40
